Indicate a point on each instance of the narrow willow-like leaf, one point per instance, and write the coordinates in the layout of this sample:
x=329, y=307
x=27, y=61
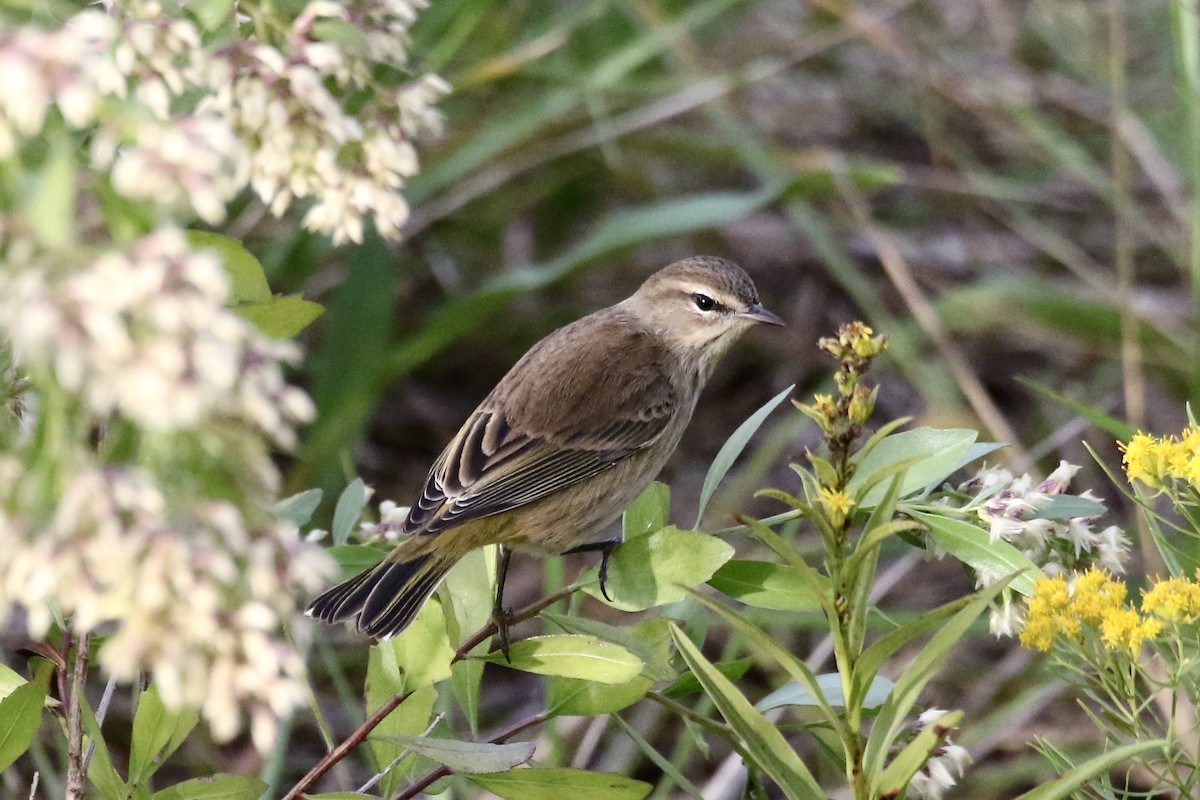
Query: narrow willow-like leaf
x=468, y=756
x=938, y=453
x=559, y=782
x=298, y=509
x=872, y=659
x=349, y=506
x=793, y=693
x=918, y=673
x=763, y=741
x=972, y=546
x=732, y=448
x=215, y=787
x=1066, y=784
x=796, y=669
x=900, y=770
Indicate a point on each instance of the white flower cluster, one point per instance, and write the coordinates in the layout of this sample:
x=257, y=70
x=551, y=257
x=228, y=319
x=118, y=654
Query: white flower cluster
x=1010, y=508
x=146, y=334
x=1011, y=513
x=70, y=69
x=303, y=141
x=310, y=121
x=199, y=599
x=944, y=767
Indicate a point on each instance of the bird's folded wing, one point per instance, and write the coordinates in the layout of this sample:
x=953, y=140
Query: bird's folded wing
x=491, y=467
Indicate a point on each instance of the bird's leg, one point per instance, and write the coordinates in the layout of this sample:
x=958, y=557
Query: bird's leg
x=605, y=546
x=499, y=614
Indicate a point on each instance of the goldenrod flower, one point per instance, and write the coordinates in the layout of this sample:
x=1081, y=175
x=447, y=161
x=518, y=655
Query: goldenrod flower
x=1143, y=460
x=837, y=503
x=1126, y=629
x=1091, y=602
x=1173, y=599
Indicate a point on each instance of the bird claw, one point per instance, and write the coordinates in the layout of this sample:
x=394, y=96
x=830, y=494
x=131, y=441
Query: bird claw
x=604, y=573
x=500, y=618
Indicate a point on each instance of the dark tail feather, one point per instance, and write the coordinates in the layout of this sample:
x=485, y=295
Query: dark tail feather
x=385, y=598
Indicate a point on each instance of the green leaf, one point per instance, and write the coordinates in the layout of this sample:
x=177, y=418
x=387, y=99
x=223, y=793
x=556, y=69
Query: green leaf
x=211, y=13
x=649, y=640
x=764, y=585
x=915, y=754
x=688, y=683
x=406, y=663
x=299, y=508
x=830, y=684
x=339, y=796
x=215, y=787
x=916, y=675
x=884, y=647
x=157, y=733
x=574, y=697
x=763, y=741
x=1066, y=506
x=20, y=716
x=733, y=448
x=571, y=656
x=971, y=545
x=1069, y=782
x=648, y=513
x=420, y=655
x=474, y=757
x=937, y=453
x=342, y=33
x=9, y=680
x=554, y=784
x=101, y=772
x=51, y=206
x=349, y=507
x=354, y=558
x=281, y=317
x=247, y=281
x=651, y=570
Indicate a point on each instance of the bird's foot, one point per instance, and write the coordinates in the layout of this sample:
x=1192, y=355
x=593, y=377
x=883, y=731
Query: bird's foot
x=604, y=572
x=501, y=618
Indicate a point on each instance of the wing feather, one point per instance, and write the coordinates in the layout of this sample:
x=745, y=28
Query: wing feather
x=513, y=451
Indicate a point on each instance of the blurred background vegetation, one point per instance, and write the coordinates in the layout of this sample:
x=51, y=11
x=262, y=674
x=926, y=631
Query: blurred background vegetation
x=1007, y=189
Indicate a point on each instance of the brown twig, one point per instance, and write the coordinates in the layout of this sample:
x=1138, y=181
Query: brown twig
x=362, y=731
x=75, y=769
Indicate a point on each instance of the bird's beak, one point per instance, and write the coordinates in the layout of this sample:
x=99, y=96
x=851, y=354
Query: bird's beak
x=756, y=313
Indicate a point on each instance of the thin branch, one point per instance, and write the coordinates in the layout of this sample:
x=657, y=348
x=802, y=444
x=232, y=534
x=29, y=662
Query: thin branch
x=362, y=731
x=76, y=771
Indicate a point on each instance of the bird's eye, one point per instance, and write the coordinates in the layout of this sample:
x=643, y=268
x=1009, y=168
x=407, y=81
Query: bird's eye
x=704, y=302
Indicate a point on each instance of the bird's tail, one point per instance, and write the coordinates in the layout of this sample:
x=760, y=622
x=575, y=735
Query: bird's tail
x=385, y=598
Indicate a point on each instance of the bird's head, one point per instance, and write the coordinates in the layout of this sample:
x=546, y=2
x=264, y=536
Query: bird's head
x=700, y=305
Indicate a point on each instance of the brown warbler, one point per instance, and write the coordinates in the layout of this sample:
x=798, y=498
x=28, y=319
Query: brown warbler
x=568, y=438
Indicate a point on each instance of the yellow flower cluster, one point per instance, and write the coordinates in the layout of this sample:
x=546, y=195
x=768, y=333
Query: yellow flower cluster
x=1174, y=599
x=1091, y=603
x=837, y=503
x=1154, y=461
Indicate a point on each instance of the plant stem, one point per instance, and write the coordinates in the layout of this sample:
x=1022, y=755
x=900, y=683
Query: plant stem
x=76, y=771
